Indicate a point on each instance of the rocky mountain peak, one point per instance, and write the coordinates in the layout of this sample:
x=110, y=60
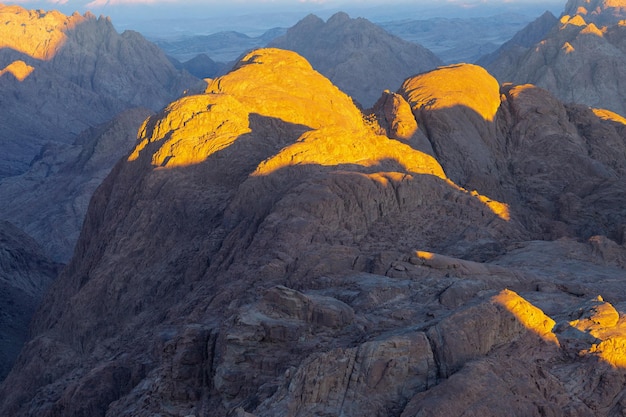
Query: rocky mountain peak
x=603, y=12
x=36, y=33
x=338, y=18
x=580, y=58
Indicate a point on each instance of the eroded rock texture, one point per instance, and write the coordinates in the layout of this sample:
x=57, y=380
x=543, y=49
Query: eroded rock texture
x=266, y=249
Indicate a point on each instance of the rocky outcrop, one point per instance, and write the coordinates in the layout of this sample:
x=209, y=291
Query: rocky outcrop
x=517, y=144
x=266, y=249
x=356, y=55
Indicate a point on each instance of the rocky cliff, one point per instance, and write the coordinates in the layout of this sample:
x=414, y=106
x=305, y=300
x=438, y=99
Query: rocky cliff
x=580, y=59
x=266, y=249
x=359, y=57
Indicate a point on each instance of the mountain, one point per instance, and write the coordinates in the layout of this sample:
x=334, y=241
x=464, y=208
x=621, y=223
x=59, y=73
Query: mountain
x=576, y=59
x=223, y=46
x=49, y=201
x=67, y=80
x=25, y=273
x=267, y=249
x=201, y=66
x=73, y=94
x=600, y=12
x=459, y=39
x=64, y=74
x=359, y=57
x=526, y=38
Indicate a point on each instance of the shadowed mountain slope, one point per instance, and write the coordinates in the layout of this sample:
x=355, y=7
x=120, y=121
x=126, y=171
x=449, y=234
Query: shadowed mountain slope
x=356, y=55
x=268, y=250
x=25, y=273
x=49, y=201
x=579, y=59
x=62, y=75
x=67, y=79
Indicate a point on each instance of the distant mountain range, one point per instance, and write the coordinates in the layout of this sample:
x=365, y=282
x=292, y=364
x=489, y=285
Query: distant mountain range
x=220, y=46
x=451, y=39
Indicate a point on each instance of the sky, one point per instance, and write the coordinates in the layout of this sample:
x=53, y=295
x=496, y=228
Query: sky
x=253, y=17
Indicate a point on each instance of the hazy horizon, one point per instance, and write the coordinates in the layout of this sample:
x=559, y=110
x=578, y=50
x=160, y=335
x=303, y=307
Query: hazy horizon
x=167, y=18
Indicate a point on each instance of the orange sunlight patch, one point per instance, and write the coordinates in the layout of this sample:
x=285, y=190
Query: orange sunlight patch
x=568, y=48
x=530, y=316
x=609, y=115
x=190, y=136
x=592, y=29
x=499, y=209
x=609, y=328
x=424, y=255
x=464, y=85
x=576, y=20
x=335, y=146
x=282, y=84
x=20, y=70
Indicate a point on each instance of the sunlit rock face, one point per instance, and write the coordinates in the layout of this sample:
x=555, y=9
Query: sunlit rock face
x=359, y=57
x=266, y=249
x=581, y=59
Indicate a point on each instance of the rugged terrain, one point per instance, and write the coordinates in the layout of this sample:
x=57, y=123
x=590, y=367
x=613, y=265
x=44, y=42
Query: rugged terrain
x=267, y=249
x=356, y=55
x=580, y=58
